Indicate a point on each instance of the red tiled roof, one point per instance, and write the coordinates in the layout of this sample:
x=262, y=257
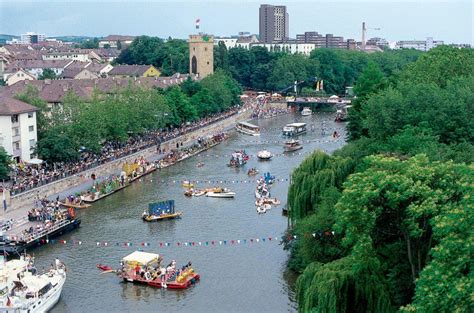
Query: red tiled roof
x=10, y=106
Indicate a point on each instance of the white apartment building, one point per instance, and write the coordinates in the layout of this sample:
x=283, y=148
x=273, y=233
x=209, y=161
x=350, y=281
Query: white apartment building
x=422, y=45
x=18, y=133
x=301, y=48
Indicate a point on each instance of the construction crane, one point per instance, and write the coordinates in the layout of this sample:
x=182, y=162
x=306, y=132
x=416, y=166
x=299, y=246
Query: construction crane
x=296, y=84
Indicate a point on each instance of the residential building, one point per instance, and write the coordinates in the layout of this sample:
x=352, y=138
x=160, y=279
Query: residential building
x=293, y=47
x=326, y=41
x=28, y=38
x=125, y=70
x=111, y=41
x=78, y=73
x=54, y=91
x=36, y=67
x=20, y=75
x=83, y=55
x=422, y=45
x=273, y=23
x=379, y=42
x=18, y=133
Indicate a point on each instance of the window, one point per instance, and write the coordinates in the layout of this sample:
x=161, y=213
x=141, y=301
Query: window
x=32, y=143
x=17, y=145
x=16, y=131
x=31, y=128
x=30, y=115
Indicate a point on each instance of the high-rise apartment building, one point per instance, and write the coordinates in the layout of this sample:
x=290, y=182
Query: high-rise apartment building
x=274, y=23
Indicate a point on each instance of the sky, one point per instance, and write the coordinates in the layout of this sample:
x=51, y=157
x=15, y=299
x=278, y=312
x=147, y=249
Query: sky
x=448, y=20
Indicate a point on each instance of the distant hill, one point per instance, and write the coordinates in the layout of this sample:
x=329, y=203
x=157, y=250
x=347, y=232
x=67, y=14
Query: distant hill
x=5, y=37
x=78, y=39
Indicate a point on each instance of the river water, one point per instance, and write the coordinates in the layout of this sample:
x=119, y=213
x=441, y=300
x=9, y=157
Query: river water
x=245, y=277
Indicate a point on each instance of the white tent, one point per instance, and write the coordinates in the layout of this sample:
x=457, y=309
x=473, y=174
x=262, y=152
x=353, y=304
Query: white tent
x=142, y=258
x=34, y=161
x=333, y=97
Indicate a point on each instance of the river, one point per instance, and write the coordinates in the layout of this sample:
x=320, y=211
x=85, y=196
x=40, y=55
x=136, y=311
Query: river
x=245, y=277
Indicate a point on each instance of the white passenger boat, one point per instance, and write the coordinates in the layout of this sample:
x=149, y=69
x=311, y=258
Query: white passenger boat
x=224, y=193
x=22, y=290
x=292, y=145
x=294, y=129
x=264, y=155
x=306, y=111
x=248, y=128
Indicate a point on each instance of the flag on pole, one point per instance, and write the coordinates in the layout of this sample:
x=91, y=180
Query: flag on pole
x=317, y=85
x=321, y=85
x=197, y=23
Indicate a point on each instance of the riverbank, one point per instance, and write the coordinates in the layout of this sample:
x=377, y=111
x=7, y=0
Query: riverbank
x=19, y=205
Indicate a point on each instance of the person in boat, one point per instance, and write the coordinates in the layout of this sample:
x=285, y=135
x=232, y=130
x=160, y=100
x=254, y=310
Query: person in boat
x=335, y=134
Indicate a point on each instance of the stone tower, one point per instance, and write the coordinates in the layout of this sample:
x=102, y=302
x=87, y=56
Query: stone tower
x=201, y=55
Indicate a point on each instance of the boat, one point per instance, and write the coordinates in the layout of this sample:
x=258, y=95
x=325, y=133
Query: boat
x=294, y=129
x=189, y=192
x=252, y=172
x=342, y=113
x=264, y=155
x=91, y=197
x=160, y=211
x=306, y=111
x=145, y=268
x=198, y=193
x=143, y=170
x=104, y=267
x=23, y=289
x=248, y=128
x=77, y=205
x=187, y=184
x=263, y=208
x=261, y=192
x=292, y=145
x=238, y=159
x=222, y=193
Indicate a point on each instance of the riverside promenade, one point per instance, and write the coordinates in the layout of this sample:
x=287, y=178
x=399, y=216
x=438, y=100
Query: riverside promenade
x=19, y=205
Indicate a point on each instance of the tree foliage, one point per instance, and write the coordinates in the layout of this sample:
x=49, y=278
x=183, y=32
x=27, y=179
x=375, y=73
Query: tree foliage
x=47, y=74
x=4, y=162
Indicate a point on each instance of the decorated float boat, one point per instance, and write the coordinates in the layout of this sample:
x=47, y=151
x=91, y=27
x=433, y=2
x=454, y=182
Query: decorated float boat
x=146, y=268
x=238, y=159
x=160, y=211
x=252, y=172
x=23, y=290
x=77, y=204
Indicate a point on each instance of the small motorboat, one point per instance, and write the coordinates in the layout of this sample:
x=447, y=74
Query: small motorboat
x=292, y=145
x=306, y=111
x=187, y=184
x=75, y=204
x=199, y=164
x=252, y=172
x=264, y=155
x=263, y=208
x=104, y=267
x=160, y=211
x=189, y=192
x=223, y=193
x=199, y=193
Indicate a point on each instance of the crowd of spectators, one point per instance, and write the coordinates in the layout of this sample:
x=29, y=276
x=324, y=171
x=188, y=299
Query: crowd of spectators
x=24, y=177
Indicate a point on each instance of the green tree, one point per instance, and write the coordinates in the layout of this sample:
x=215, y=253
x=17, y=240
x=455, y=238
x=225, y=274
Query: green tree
x=221, y=57
x=241, y=64
x=4, y=164
x=57, y=146
x=31, y=96
x=106, y=46
x=90, y=44
x=47, y=74
x=119, y=45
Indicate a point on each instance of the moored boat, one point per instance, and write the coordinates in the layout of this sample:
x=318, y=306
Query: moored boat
x=292, y=145
x=75, y=204
x=252, y=172
x=23, y=289
x=160, y=211
x=306, y=111
x=248, y=128
x=146, y=268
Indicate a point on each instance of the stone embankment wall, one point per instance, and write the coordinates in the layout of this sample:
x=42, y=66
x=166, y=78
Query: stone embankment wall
x=278, y=105
x=27, y=199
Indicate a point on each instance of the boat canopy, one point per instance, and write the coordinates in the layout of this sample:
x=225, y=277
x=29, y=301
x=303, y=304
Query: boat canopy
x=161, y=207
x=34, y=283
x=140, y=258
x=296, y=125
x=248, y=125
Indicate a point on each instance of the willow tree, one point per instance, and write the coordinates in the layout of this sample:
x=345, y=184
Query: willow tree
x=313, y=180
